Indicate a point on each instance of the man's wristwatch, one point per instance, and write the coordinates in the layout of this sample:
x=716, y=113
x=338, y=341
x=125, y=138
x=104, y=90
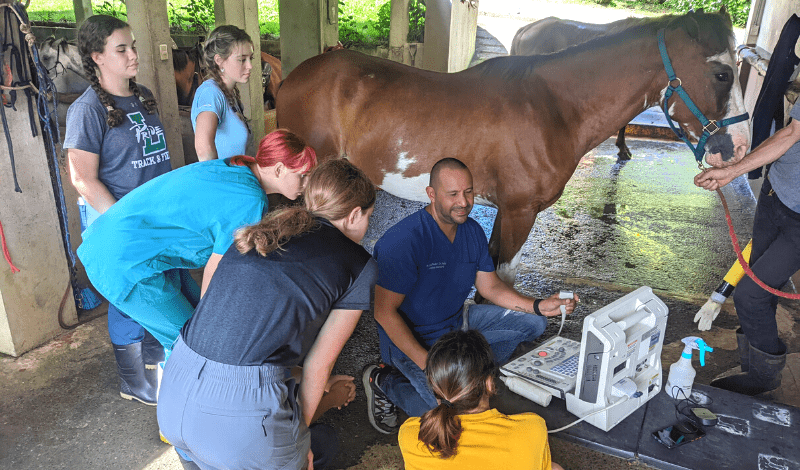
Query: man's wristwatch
x=536, y=307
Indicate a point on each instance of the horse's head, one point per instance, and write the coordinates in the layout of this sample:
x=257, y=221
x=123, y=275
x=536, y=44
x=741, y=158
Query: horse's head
x=701, y=50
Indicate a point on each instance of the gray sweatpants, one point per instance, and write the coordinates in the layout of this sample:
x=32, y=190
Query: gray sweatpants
x=231, y=417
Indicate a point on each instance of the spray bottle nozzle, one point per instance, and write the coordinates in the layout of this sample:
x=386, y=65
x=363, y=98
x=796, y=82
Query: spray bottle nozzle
x=693, y=342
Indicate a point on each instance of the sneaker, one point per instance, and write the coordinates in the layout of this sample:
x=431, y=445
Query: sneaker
x=382, y=412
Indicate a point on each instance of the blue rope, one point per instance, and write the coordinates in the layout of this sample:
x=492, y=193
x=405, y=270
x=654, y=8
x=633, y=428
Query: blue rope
x=47, y=106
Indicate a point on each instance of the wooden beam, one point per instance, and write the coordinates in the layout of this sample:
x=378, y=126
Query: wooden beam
x=82, y=9
x=398, y=32
x=150, y=25
x=307, y=28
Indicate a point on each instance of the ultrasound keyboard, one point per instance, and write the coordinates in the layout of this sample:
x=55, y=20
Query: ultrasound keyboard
x=552, y=366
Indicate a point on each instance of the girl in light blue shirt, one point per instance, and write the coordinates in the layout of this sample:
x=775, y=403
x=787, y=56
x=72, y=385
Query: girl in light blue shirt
x=221, y=130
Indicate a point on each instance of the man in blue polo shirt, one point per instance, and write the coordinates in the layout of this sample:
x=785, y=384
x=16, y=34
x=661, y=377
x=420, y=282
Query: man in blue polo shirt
x=428, y=263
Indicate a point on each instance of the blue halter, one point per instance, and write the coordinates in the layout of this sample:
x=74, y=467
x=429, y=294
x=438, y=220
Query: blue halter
x=709, y=127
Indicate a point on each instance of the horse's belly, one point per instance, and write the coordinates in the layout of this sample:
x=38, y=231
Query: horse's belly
x=406, y=187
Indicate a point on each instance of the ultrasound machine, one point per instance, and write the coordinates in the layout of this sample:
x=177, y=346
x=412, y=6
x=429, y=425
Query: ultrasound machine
x=610, y=373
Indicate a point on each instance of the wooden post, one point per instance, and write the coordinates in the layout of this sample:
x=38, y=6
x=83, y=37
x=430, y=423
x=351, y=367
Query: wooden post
x=450, y=30
x=307, y=28
x=83, y=10
x=150, y=25
x=398, y=32
x=244, y=14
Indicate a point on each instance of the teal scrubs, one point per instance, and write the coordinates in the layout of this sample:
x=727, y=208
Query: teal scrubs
x=134, y=251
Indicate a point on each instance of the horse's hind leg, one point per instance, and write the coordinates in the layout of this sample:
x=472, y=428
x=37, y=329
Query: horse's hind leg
x=624, y=151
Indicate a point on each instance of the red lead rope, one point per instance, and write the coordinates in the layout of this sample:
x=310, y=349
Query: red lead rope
x=14, y=269
x=744, y=264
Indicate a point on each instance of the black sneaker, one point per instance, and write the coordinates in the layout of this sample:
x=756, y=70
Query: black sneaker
x=382, y=412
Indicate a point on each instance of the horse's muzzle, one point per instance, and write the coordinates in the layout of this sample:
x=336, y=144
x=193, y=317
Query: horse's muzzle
x=721, y=143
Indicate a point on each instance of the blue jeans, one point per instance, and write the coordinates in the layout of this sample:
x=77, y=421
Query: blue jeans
x=122, y=329
x=774, y=259
x=407, y=386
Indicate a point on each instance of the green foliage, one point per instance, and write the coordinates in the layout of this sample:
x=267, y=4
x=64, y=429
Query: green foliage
x=197, y=16
x=349, y=31
x=111, y=8
x=416, y=20
x=738, y=9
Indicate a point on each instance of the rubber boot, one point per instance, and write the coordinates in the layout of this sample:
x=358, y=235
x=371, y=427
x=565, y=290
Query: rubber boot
x=152, y=351
x=743, y=346
x=134, y=384
x=763, y=374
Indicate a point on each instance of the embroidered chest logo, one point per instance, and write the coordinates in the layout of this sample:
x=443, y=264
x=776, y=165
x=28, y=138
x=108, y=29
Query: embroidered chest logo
x=152, y=137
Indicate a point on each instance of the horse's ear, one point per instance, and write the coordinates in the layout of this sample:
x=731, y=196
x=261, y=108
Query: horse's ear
x=723, y=9
x=691, y=27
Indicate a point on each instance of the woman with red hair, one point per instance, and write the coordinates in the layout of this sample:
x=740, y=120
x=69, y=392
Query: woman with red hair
x=138, y=253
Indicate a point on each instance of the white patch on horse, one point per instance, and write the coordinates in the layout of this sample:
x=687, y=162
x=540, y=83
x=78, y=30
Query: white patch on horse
x=482, y=201
x=402, y=161
x=776, y=462
x=733, y=425
x=507, y=272
x=772, y=414
x=645, y=102
x=740, y=131
x=412, y=188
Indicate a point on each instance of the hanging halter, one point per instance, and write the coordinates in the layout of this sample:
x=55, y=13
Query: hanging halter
x=709, y=127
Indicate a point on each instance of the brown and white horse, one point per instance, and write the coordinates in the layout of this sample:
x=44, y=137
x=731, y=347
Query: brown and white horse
x=554, y=34
x=536, y=118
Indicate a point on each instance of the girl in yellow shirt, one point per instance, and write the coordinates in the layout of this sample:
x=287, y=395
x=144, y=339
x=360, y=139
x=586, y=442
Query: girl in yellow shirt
x=462, y=432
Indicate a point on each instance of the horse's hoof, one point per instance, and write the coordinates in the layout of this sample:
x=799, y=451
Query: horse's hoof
x=624, y=155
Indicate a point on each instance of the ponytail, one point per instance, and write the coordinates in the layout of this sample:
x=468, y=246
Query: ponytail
x=459, y=368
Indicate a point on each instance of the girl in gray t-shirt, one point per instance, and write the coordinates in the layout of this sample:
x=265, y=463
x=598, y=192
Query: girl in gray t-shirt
x=115, y=142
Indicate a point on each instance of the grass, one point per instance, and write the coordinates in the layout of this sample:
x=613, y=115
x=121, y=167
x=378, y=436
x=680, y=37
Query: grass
x=361, y=11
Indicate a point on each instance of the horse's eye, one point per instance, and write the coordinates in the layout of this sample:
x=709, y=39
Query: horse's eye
x=723, y=76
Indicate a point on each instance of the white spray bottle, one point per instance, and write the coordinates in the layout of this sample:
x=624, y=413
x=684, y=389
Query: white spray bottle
x=681, y=373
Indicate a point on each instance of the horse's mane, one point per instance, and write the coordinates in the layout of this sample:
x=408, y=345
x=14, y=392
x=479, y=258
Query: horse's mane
x=714, y=29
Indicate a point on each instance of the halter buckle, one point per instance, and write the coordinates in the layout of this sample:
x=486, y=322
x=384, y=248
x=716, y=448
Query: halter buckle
x=711, y=125
x=676, y=79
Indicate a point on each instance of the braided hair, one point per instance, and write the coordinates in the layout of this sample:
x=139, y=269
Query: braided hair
x=92, y=37
x=221, y=42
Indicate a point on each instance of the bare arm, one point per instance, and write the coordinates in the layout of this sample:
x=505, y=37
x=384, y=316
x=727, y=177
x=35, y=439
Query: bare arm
x=387, y=315
x=208, y=272
x=770, y=150
x=499, y=293
x=205, y=131
x=322, y=356
x=83, y=171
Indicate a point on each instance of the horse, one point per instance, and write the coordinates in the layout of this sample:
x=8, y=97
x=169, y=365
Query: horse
x=271, y=77
x=537, y=117
x=189, y=74
x=553, y=34
x=64, y=67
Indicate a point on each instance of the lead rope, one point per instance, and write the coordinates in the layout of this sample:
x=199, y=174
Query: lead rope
x=6, y=255
x=740, y=257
